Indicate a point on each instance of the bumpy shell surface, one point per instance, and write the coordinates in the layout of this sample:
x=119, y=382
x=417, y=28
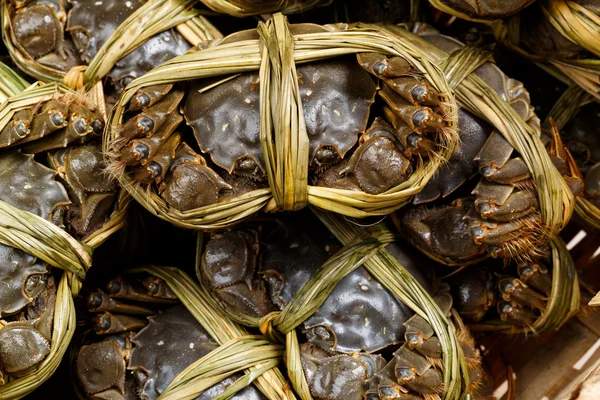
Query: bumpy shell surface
x=172, y=341
x=92, y=22
x=30, y=186
x=473, y=130
x=359, y=315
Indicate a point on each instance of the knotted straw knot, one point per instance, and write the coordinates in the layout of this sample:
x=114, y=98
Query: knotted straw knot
x=74, y=78
x=266, y=327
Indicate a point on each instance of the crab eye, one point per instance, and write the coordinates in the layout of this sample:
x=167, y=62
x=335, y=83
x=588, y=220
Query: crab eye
x=57, y=119
x=154, y=169
x=146, y=124
x=98, y=126
x=80, y=126
x=326, y=155
x=141, y=151
x=34, y=285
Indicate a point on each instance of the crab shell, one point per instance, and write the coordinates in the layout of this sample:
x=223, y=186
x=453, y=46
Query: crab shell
x=473, y=130
x=31, y=187
x=93, y=192
x=166, y=346
x=336, y=97
x=359, y=315
x=488, y=9
x=91, y=23
x=543, y=39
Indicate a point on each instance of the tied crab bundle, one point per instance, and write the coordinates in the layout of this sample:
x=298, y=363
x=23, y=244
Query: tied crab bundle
x=53, y=214
x=560, y=35
x=522, y=197
x=280, y=117
x=151, y=333
x=245, y=8
x=359, y=321
x=82, y=42
x=471, y=229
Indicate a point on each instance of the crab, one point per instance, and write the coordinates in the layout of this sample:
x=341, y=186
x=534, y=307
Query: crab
x=359, y=320
x=488, y=9
x=55, y=123
x=541, y=37
x=580, y=137
x=519, y=292
x=64, y=34
x=348, y=136
x=502, y=217
x=135, y=357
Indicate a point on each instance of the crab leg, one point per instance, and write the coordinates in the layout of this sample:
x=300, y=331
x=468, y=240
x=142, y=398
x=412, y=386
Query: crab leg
x=158, y=288
x=158, y=166
x=537, y=276
x=79, y=126
x=147, y=122
x=515, y=290
x=147, y=97
x=383, y=67
x=416, y=372
x=515, y=314
x=502, y=203
x=420, y=119
x=412, y=142
x=413, y=89
x=17, y=128
x=113, y=323
x=52, y=117
x=100, y=302
x=142, y=150
x=121, y=289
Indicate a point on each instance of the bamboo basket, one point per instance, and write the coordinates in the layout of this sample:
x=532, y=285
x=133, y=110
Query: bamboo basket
x=42, y=239
x=274, y=50
x=362, y=247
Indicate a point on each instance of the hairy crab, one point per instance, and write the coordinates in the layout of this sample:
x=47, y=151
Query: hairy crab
x=580, y=137
x=519, y=293
x=143, y=340
x=501, y=218
x=349, y=336
x=485, y=9
x=63, y=34
x=363, y=115
x=69, y=190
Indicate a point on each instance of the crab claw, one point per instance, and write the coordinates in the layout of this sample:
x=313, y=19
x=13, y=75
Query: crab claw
x=416, y=372
x=379, y=163
x=191, y=183
x=148, y=121
x=147, y=97
x=382, y=66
